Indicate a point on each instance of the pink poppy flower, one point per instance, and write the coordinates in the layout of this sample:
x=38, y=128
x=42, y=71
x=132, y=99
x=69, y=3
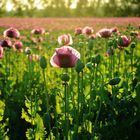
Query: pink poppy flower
x=87, y=30
x=6, y=43
x=18, y=46
x=65, y=57
x=12, y=33
x=78, y=31
x=65, y=39
x=38, y=31
x=124, y=41
x=105, y=33
x=1, y=52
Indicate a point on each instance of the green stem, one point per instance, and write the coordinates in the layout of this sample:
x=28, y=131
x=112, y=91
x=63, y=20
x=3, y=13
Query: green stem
x=96, y=119
x=82, y=88
x=47, y=99
x=90, y=102
x=29, y=69
x=119, y=62
x=66, y=119
x=132, y=52
x=78, y=102
x=78, y=90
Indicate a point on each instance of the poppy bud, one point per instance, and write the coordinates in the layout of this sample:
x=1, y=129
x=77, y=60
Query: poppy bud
x=133, y=45
x=114, y=81
x=43, y=62
x=79, y=66
x=65, y=77
x=90, y=44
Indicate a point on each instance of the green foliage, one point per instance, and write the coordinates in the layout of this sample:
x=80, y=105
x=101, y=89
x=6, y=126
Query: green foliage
x=37, y=132
x=3, y=125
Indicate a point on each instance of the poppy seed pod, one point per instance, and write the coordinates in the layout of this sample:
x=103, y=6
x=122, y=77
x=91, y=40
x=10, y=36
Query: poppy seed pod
x=79, y=66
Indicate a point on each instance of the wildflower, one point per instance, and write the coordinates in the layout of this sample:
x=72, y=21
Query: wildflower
x=78, y=31
x=124, y=41
x=65, y=57
x=6, y=43
x=87, y=30
x=65, y=39
x=105, y=33
x=18, y=46
x=38, y=31
x=12, y=33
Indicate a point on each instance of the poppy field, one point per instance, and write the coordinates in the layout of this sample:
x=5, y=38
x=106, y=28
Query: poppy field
x=78, y=83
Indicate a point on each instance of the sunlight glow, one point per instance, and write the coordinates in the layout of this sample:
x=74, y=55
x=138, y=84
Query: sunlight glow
x=9, y=6
x=74, y=4
x=37, y=3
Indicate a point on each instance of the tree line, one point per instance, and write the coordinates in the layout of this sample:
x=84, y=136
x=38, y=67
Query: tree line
x=63, y=8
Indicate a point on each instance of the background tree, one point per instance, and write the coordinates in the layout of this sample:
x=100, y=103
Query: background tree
x=62, y=8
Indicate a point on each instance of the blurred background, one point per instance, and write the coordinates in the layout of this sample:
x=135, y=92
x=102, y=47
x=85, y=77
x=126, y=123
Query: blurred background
x=69, y=8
